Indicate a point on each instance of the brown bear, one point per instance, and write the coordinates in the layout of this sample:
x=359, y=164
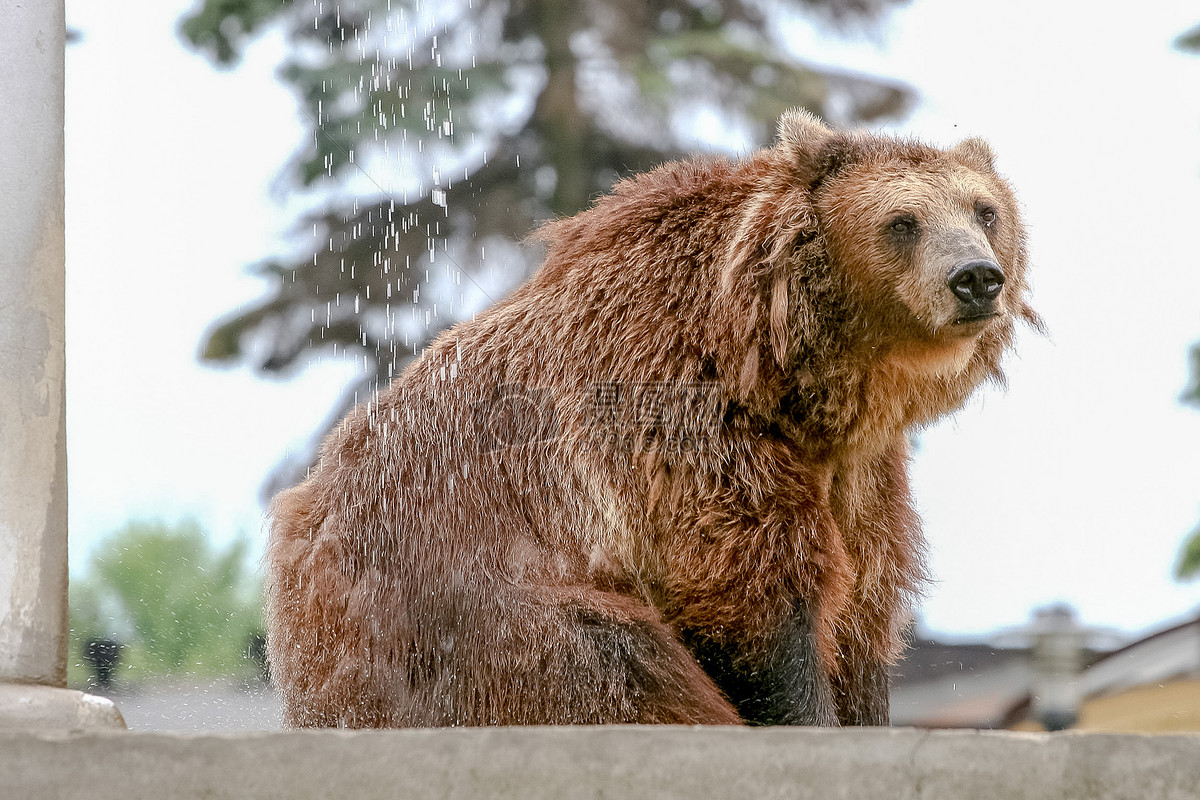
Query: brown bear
x=665, y=481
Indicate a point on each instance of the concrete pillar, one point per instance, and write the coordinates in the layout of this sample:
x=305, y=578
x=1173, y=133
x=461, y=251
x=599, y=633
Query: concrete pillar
x=1058, y=642
x=33, y=453
x=33, y=456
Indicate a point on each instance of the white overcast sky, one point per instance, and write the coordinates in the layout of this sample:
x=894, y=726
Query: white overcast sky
x=1076, y=484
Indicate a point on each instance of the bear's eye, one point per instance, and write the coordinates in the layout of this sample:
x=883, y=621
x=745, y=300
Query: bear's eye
x=903, y=226
x=987, y=216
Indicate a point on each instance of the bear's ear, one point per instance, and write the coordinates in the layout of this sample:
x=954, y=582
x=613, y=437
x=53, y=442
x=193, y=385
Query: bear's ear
x=835, y=154
x=801, y=131
x=977, y=153
x=817, y=151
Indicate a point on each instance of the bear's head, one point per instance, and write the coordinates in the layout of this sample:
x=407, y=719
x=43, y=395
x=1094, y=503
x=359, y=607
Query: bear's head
x=885, y=250
x=933, y=238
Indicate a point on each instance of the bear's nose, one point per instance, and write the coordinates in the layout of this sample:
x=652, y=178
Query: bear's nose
x=976, y=282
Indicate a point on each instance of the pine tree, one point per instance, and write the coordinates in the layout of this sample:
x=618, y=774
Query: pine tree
x=442, y=133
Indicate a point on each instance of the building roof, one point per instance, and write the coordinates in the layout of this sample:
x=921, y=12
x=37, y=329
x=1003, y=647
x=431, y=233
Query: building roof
x=947, y=685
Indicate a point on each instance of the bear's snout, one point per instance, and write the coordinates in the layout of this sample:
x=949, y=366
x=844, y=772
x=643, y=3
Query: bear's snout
x=976, y=284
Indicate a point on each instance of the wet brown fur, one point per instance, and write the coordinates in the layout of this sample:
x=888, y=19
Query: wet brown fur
x=449, y=562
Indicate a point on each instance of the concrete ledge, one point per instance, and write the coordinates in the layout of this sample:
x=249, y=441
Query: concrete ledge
x=614, y=762
x=30, y=707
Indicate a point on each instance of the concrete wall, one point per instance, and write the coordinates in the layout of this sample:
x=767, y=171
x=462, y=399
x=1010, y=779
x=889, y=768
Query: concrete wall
x=660, y=763
x=33, y=456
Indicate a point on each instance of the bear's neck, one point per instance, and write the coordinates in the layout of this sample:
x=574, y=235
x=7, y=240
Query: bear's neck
x=867, y=395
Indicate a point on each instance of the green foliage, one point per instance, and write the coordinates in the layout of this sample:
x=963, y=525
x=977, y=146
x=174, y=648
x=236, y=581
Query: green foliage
x=441, y=130
x=1188, y=565
x=221, y=27
x=1189, y=41
x=177, y=604
x=1191, y=395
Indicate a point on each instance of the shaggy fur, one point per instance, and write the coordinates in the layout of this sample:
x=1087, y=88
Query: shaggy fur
x=666, y=480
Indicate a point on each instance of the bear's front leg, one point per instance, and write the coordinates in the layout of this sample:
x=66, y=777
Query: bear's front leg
x=781, y=683
x=754, y=577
